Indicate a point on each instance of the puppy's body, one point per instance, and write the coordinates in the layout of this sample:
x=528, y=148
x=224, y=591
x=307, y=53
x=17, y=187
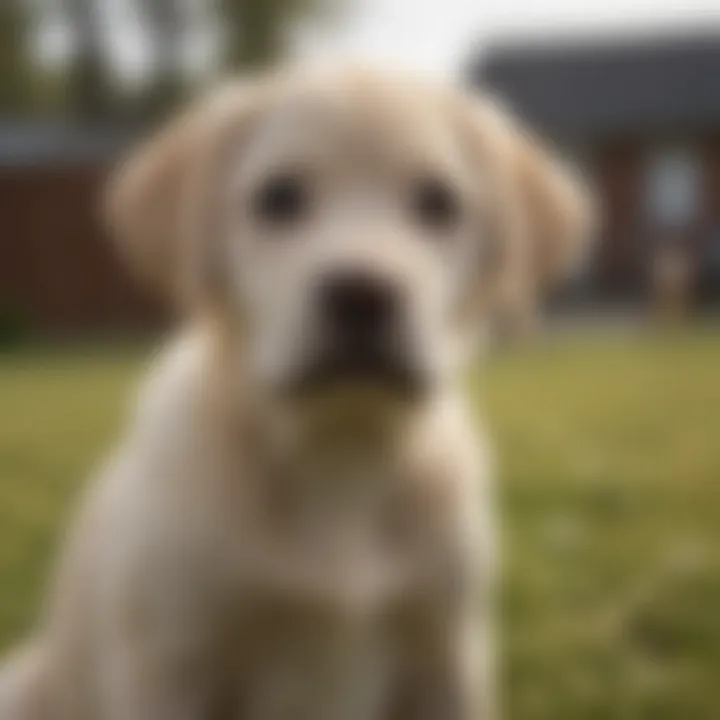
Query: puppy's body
x=289, y=585
x=297, y=524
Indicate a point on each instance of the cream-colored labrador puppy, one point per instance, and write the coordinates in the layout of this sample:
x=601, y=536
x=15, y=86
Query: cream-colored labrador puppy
x=297, y=523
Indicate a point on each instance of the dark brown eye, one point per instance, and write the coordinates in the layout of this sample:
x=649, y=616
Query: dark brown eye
x=282, y=199
x=436, y=205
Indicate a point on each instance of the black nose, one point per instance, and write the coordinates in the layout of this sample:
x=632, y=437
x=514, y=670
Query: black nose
x=358, y=306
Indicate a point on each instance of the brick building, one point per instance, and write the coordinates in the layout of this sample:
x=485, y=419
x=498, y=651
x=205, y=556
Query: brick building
x=642, y=117
x=58, y=273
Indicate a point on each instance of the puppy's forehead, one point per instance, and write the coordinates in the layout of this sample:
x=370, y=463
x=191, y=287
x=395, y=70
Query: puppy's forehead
x=362, y=119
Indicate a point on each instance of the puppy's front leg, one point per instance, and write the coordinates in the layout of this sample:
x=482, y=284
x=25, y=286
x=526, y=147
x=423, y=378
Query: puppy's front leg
x=145, y=685
x=446, y=671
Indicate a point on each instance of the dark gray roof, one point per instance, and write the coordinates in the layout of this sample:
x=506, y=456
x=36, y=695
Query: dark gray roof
x=32, y=143
x=605, y=88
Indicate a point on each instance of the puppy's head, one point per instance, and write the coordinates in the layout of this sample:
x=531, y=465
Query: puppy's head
x=353, y=230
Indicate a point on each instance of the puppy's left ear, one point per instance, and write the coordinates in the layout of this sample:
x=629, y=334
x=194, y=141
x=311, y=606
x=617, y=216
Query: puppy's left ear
x=556, y=206
x=540, y=213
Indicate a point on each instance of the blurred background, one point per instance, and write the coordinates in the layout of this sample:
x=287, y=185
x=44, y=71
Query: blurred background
x=607, y=416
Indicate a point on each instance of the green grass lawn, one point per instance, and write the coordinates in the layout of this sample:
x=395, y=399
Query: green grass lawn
x=610, y=490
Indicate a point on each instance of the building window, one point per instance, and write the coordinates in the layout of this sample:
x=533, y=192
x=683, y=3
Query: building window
x=673, y=188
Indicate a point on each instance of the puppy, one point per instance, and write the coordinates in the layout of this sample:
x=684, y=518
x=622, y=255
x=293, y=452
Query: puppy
x=297, y=524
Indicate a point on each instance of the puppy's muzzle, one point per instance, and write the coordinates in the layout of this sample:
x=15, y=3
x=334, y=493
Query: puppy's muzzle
x=362, y=321
x=358, y=310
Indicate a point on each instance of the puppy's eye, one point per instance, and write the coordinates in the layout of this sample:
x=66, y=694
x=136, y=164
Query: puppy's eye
x=435, y=204
x=282, y=199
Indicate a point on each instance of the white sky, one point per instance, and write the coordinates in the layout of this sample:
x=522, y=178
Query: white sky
x=429, y=36
x=435, y=36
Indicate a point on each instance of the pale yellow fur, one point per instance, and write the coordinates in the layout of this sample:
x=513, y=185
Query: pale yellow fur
x=240, y=557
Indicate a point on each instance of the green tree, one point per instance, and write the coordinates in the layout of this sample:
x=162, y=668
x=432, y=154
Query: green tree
x=88, y=79
x=165, y=24
x=259, y=30
x=15, y=61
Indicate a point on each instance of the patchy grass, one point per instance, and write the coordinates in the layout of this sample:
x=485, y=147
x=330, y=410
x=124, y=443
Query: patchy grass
x=58, y=413
x=610, y=489
x=610, y=455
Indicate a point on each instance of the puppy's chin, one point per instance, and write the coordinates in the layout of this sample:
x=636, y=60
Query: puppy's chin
x=360, y=378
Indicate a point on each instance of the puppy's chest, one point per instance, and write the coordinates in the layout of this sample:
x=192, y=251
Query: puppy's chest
x=325, y=600
x=308, y=666
x=350, y=548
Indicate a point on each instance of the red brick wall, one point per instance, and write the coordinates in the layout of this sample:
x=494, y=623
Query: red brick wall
x=627, y=242
x=57, y=271
x=619, y=260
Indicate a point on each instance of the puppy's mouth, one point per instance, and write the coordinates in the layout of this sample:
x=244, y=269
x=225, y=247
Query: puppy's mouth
x=361, y=369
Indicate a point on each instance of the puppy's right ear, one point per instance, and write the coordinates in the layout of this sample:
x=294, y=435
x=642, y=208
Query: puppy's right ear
x=145, y=200
x=159, y=205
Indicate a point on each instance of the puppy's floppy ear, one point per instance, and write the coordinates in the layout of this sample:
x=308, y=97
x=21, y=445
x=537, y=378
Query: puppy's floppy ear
x=557, y=208
x=145, y=200
x=542, y=214
x=158, y=204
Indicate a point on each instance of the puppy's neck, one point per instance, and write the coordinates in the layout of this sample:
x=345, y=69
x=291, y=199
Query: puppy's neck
x=339, y=440
x=325, y=461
